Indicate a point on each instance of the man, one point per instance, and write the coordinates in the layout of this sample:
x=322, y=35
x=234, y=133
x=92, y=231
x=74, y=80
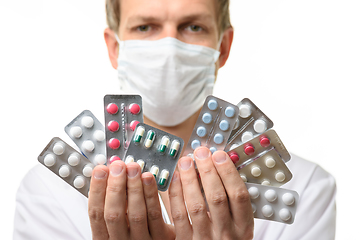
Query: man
x=188, y=40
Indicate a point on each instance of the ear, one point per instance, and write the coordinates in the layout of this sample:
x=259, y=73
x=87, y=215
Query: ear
x=226, y=46
x=112, y=46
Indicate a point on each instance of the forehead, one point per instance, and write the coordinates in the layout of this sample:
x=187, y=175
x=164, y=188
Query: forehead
x=167, y=9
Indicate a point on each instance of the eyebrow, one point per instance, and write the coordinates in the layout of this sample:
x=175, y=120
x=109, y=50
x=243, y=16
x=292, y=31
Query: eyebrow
x=187, y=18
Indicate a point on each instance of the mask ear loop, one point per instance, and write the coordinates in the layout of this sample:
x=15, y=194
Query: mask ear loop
x=220, y=41
x=117, y=38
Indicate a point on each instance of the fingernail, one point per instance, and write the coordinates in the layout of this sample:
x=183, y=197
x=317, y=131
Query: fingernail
x=99, y=174
x=202, y=153
x=185, y=163
x=132, y=172
x=148, y=180
x=219, y=157
x=116, y=169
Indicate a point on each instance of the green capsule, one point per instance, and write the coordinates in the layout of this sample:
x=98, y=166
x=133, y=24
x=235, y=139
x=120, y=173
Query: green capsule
x=139, y=134
x=154, y=170
x=164, y=144
x=163, y=177
x=149, y=139
x=175, y=145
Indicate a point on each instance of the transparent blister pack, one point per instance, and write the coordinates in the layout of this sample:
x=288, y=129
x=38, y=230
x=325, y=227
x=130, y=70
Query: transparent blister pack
x=250, y=123
x=155, y=151
x=266, y=169
x=262, y=143
x=89, y=135
x=273, y=203
x=213, y=126
x=122, y=114
x=68, y=164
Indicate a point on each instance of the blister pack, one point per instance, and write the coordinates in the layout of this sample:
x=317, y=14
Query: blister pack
x=214, y=125
x=155, y=151
x=122, y=114
x=89, y=135
x=251, y=122
x=267, y=169
x=68, y=164
x=273, y=203
x=262, y=143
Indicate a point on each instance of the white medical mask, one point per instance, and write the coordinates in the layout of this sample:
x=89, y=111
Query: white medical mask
x=173, y=77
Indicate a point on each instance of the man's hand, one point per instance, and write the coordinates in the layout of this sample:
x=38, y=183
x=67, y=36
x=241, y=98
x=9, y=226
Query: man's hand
x=230, y=214
x=124, y=204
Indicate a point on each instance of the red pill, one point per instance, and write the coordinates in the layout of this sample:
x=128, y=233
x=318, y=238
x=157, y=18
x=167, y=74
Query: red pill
x=114, y=158
x=234, y=157
x=114, y=143
x=133, y=125
x=134, y=108
x=264, y=141
x=113, y=126
x=249, y=149
x=112, y=108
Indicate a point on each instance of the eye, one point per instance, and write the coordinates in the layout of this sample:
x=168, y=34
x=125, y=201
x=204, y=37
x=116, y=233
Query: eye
x=194, y=28
x=143, y=28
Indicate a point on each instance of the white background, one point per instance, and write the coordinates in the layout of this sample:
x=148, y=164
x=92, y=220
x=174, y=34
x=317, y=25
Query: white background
x=297, y=60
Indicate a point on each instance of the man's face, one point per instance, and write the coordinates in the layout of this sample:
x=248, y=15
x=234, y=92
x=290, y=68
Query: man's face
x=190, y=21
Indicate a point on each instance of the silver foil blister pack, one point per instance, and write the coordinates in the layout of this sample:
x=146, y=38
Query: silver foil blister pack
x=267, y=169
x=122, y=114
x=68, y=164
x=89, y=135
x=213, y=126
x=155, y=151
x=250, y=123
x=273, y=203
x=262, y=143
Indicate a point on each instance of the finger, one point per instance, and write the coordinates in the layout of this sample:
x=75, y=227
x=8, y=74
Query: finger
x=182, y=225
x=237, y=192
x=96, y=202
x=194, y=200
x=137, y=215
x=214, y=190
x=157, y=227
x=115, y=201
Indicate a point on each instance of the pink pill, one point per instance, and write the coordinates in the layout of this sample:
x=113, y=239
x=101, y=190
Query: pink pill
x=249, y=149
x=264, y=141
x=134, y=108
x=114, y=158
x=113, y=126
x=234, y=157
x=114, y=143
x=133, y=125
x=112, y=108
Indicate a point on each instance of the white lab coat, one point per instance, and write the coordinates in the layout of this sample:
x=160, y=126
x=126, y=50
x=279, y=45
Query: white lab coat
x=48, y=208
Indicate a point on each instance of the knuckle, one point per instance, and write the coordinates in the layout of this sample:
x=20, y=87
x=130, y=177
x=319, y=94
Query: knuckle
x=197, y=209
x=241, y=196
x=188, y=181
x=207, y=171
x=135, y=190
x=96, y=214
x=113, y=189
x=219, y=198
x=137, y=218
x=151, y=194
x=154, y=215
x=112, y=217
x=178, y=216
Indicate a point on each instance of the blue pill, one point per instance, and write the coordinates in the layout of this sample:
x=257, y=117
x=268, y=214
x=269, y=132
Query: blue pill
x=195, y=144
x=212, y=104
x=224, y=125
x=206, y=118
x=229, y=112
x=213, y=149
x=201, y=131
x=218, y=138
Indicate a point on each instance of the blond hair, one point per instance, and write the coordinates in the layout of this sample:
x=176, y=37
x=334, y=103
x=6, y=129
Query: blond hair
x=113, y=14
